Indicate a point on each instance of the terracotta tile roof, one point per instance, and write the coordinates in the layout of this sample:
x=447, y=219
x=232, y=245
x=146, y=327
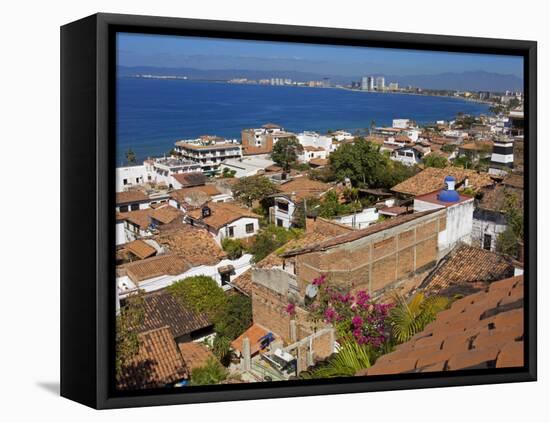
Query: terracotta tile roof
x=303, y=187
x=394, y=211
x=243, y=282
x=140, y=249
x=127, y=197
x=163, y=214
x=162, y=309
x=194, y=354
x=154, y=267
x=467, y=269
x=482, y=330
x=358, y=234
x=431, y=179
x=313, y=148
x=195, y=245
x=190, y=179
x=166, y=214
x=157, y=364
x=274, y=259
x=494, y=198
x=318, y=162
x=477, y=146
x=254, y=333
x=194, y=196
x=222, y=214
x=514, y=180
x=271, y=126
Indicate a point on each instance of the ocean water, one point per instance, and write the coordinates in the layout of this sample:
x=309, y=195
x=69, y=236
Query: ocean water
x=153, y=114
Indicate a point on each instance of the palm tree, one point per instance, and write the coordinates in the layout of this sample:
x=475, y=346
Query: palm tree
x=209, y=374
x=130, y=156
x=407, y=318
x=350, y=358
x=222, y=348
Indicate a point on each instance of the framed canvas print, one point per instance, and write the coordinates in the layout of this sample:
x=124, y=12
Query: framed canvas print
x=259, y=211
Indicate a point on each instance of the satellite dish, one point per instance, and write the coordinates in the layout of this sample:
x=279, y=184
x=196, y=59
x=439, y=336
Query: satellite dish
x=312, y=290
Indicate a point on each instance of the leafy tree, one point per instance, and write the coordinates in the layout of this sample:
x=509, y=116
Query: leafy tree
x=435, y=160
x=209, y=374
x=285, y=152
x=464, y=162
x=234, y=317
x=222, y=349
x=253, y=188
x=199, y=293
x=269, y=239
x=131, y=156
x=407, y=318
x=233, y=248
x=448, y=148
x=350, y=358
x=228, y=173
x=508, y=242
x=365, y=165
x=128, y=321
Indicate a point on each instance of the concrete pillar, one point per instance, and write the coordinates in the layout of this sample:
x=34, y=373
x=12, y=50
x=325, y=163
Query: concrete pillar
x=293, y=336
x=246, y=355
x=310, y=361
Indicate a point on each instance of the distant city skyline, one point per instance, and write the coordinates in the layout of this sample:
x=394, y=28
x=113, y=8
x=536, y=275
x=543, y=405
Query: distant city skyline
x=209, y=53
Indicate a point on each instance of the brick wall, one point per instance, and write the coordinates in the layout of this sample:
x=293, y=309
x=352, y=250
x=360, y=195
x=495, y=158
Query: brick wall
x=378, y=260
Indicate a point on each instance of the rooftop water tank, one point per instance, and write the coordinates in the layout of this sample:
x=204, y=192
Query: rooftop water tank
x=448, y=194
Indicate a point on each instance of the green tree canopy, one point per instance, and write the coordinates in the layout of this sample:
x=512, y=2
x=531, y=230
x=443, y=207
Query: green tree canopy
x=209, y=374
x=253, y=188
x=435, y=160
x=200, y=293
x=365, y=165
x=285, y=152
x=130, y=156
x=269, y=239
x=233, y=248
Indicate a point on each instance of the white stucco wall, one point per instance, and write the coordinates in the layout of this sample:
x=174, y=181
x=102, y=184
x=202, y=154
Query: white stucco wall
x=280, y=214
x=239, y=229
x=458, y=226
x=241, y=265
x=359, y=220
x=134, y=175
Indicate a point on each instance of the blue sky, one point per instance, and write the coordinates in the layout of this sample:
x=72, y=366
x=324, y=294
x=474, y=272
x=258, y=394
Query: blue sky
x=210, y=53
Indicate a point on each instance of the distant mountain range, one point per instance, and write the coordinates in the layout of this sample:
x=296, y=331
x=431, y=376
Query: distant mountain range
x=471, y=80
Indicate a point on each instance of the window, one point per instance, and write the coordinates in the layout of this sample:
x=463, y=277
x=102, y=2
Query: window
x=134, y=207
x=231, y=231
x=137, y=180
x=279, y=222
x=249, y=228
x=487, y=242
x=123, y=209
x=226, y=278
x=282, y=206
x=125, y=181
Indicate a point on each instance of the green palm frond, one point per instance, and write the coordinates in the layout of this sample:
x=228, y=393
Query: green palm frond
x=351, y=358
x=409, y=318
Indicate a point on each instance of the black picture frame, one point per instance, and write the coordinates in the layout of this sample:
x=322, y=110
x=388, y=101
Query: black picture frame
x=87, y=201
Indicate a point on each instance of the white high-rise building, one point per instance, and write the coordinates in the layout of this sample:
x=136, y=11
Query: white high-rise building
x=380, y=82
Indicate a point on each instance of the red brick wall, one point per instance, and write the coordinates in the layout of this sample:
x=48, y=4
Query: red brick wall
x=376, y=264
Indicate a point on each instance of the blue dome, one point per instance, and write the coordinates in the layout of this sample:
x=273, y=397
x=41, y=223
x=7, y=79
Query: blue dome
x=448, y=196
x=450, y=179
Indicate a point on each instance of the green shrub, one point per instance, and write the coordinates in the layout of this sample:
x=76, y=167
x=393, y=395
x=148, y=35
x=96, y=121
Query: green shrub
x=200, y=293
x=233, y=248
x=209, y=374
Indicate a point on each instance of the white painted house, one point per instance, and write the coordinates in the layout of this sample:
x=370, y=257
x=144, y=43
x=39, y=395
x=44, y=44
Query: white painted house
x=460, y=211
x=225, y=220
x=359, y=220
